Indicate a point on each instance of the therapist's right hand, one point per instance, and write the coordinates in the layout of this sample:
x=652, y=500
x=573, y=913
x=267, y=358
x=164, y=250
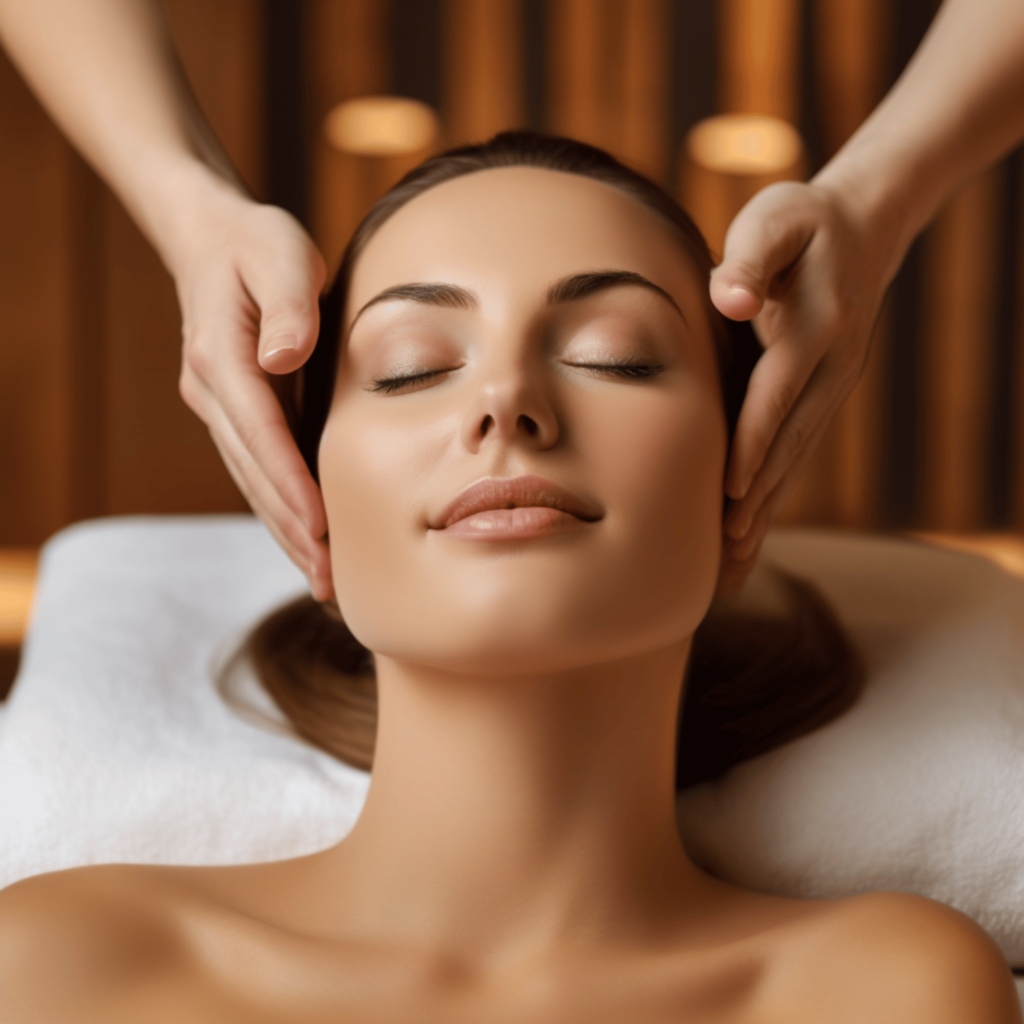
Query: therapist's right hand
x=248, y=279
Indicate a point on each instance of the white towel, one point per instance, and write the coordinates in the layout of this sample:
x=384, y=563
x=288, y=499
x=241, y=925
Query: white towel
x=116, y=746
x=920, y=786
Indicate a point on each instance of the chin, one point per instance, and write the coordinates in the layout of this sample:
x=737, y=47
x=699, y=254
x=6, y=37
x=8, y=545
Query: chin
x=510, y=633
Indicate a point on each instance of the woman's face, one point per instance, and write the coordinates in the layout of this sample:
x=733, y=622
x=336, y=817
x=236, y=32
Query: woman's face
x=524, y=323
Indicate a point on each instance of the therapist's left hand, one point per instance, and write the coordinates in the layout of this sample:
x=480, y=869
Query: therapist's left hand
x=802, y=262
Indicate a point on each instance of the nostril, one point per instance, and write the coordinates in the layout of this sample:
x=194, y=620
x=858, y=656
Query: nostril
x=529, y=425
x=486, y=425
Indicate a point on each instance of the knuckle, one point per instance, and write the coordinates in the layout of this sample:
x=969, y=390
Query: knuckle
x=199, y=356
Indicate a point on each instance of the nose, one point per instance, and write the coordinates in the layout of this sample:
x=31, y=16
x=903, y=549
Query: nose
x=510, y=406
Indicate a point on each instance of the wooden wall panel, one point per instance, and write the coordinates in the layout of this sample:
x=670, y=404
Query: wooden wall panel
x=483, y=68
x=851, y=58
x=958, y=359
x=85, y=341
x=35, y=297
x=580, y=47
x=609, y=77
x=349, y=56
x=759, y=46
x=644, y=114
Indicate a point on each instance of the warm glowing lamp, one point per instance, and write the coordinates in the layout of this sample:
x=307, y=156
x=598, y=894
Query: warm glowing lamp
x=381, y=126
x=727, y=159
x=17, y=584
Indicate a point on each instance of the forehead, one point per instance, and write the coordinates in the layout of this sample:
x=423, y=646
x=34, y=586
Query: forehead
x=511, y=231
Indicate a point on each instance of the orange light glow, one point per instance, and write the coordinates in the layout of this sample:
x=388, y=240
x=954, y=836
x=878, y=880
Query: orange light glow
x=17, y=585
x=381, y=126
x=745, y=144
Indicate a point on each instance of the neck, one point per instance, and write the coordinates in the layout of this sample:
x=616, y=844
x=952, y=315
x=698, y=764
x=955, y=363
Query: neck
x=508, y=814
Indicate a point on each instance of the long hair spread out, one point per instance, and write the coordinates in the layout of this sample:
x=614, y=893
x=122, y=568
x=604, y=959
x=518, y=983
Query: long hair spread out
x=753, y=683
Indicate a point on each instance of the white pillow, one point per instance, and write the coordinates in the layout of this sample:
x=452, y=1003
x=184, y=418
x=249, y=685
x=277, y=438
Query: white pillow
x=116, y=746
x=920, y=786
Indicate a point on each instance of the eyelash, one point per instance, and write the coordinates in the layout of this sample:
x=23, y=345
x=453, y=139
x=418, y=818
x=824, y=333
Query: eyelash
x=388, y=385
x=626, y=369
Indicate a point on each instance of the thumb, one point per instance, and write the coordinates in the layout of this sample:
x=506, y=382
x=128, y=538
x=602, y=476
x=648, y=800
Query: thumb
x=289, y=306
x=289, y=325
x=765, y=238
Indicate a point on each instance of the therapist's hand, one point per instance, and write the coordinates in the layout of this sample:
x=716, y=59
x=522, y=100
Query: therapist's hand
x=802, y=264
x=248, y=279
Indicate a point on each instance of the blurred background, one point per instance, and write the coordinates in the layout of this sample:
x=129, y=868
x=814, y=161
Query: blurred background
x=90, y=419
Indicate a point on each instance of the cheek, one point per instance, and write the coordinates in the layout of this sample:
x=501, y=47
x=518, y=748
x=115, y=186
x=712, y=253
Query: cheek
x=664, y=462
x=375, y=476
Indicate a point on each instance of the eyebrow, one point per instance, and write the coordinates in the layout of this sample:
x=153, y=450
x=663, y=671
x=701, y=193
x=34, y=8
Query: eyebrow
x=579, y=286
x=568, y=289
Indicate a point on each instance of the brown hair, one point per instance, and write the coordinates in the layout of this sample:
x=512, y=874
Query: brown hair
x=752, y=683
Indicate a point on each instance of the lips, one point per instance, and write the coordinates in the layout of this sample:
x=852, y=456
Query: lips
x=488, y=503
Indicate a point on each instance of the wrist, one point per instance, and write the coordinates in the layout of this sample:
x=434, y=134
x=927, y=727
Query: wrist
x=883, y=199
x=186, y=200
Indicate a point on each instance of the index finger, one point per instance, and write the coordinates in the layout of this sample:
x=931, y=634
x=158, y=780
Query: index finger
x=777, y=381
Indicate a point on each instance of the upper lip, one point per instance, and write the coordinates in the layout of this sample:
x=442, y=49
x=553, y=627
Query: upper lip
x=514, y=492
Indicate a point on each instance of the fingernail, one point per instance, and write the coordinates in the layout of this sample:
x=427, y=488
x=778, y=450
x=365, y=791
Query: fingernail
x=741, y=291
x=280, y=345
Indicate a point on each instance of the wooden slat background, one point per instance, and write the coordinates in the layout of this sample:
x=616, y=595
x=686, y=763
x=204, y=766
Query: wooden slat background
x=90, y=420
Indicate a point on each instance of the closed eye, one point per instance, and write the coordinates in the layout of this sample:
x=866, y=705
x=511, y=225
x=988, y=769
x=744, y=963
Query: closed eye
x=398, y=382
x=630, y=369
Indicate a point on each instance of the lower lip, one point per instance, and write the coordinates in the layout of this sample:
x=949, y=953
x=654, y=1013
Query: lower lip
x=514, y=524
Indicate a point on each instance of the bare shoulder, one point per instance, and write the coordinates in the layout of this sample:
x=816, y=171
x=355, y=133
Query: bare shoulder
x=895, y=957
x=70, y=938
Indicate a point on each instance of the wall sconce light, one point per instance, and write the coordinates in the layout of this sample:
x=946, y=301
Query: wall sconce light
x=727, y=159
x=381, y=126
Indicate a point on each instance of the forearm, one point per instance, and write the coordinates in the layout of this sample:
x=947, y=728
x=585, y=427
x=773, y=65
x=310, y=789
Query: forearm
x=957, y=108
x=110, y=78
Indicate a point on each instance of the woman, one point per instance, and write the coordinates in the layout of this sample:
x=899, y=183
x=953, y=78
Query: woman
x=522, y=456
